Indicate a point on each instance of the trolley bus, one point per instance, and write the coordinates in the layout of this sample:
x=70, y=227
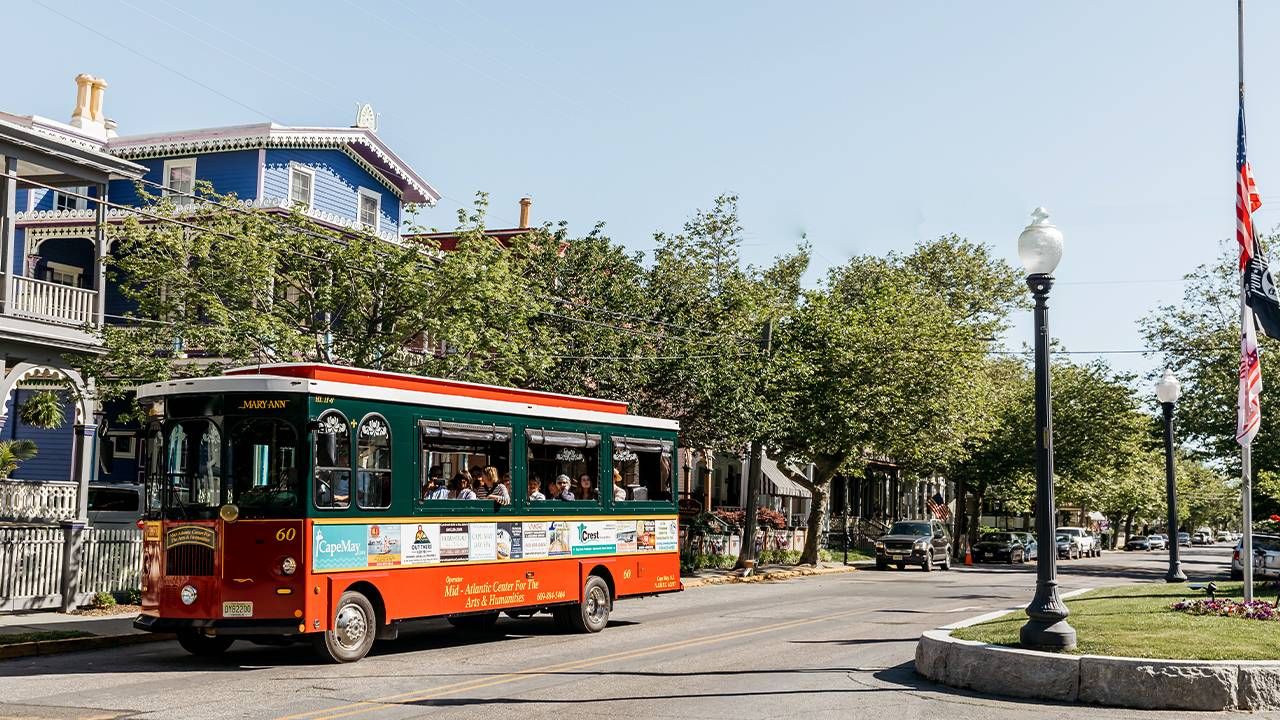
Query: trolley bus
x=312, y=502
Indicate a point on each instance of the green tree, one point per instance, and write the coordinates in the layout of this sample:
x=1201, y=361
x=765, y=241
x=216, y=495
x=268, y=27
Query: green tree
x=887, y=358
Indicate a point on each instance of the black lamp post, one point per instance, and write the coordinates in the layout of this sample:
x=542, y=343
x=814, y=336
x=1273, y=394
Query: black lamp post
x=1040, y=249
x=1167, y=392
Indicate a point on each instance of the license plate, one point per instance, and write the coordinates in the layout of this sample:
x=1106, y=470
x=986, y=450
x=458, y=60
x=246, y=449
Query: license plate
x=986, y=554
x=242, y=608
x=897, y=557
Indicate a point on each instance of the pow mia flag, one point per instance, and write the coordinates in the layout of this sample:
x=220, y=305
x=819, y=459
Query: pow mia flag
x=1261, y=296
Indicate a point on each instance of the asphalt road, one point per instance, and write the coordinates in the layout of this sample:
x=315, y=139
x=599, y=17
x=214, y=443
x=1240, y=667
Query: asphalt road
x=835, y=646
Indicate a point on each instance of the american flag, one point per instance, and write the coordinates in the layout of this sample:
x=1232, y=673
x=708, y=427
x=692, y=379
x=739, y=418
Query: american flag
x=1249, y=411
x=939, y=510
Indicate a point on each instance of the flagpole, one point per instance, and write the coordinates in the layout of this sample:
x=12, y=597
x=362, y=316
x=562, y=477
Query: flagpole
x=1246, y=486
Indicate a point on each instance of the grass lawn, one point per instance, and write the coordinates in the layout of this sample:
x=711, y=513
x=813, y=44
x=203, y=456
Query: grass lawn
x=1135, y=621
x=11, y=638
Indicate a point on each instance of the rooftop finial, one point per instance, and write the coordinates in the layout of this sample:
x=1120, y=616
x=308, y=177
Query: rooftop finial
x=1040, y=216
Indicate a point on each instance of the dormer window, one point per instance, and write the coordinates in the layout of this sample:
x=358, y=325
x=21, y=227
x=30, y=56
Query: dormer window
x=301, y=186
x=370, y=204
x=180, y=177
x=67, y=201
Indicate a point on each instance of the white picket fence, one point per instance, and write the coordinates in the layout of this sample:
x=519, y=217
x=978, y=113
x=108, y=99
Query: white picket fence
x=31, y=562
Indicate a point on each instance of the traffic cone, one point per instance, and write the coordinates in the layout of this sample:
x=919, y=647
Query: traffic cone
x=968, y=554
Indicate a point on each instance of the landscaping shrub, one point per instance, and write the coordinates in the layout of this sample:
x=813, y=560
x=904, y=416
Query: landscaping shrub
x=1253, y=610
x=104, y=600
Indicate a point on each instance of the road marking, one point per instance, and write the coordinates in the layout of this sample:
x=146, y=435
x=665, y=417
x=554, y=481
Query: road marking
x=418, y=695
x=964, y=609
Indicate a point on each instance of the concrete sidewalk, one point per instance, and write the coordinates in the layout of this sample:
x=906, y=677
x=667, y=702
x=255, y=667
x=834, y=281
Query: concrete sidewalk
x=716, y=576
x=102, y=631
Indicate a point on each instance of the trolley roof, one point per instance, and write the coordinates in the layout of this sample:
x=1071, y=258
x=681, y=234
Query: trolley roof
x=321, y=379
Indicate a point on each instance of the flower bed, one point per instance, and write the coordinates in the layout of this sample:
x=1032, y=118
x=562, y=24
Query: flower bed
x=1252, y=610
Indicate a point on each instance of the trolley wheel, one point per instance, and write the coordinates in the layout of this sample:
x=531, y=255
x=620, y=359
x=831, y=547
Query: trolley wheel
x=354, y=626
x=202, y=645
x=592, y=614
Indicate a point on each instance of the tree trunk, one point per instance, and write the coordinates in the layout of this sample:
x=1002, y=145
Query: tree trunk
x=824, y=468
x=817, y=514
x=962, y=518
x=1128, y=525
x=750, y=520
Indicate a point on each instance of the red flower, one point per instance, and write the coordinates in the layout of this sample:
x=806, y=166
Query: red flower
x=1275, y=518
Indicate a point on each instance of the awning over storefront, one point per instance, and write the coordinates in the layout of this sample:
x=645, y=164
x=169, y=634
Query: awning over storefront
x=777, y=482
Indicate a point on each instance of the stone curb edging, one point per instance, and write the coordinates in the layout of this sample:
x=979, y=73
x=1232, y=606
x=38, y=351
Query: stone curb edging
x=1099, y=680
x=95, y=642
x=692, y=583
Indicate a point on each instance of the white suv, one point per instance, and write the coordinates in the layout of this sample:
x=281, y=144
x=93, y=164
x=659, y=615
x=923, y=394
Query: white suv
x=1089, y=544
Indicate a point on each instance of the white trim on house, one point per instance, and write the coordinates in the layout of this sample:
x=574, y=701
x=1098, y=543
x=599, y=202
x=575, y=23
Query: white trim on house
x=275, y=383
x=176, y=163
x=355, y=142
x=311, y=185
x=77, y=273
x=361, y=194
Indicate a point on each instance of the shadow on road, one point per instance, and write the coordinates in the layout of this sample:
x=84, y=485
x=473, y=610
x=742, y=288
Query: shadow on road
x=414, y=637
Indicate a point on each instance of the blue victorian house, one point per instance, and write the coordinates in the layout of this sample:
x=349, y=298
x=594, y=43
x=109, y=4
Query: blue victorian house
x=341, y=177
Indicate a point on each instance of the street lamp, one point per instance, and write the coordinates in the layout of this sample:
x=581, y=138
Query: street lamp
x=1040, y=249
x=1167, y=391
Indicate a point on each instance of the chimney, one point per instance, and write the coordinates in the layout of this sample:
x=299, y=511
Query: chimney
x=95, y=100
x=80, y=115
x=525, y=202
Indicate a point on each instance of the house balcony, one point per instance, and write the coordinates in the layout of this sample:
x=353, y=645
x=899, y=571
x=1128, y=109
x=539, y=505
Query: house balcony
x=52, y=302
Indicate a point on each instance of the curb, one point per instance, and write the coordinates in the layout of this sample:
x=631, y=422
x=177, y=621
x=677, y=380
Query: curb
x=1140, y=683
x=96, y=642
x=770, y=576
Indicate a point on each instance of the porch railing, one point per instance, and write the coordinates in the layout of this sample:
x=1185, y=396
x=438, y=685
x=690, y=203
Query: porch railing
x=45, y=501
x=51, y=302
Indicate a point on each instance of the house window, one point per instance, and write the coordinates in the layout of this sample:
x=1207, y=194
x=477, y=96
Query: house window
x=123, y=446
x=180, y=176
x=301, y=186
x=64, y=202
x=56, y=272
x=370, y=206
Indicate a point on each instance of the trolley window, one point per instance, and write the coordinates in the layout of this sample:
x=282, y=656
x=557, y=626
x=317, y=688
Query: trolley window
x=450, y=450
x=373, y=464
x=641, y=469
x=333, y=462
x=556, y=455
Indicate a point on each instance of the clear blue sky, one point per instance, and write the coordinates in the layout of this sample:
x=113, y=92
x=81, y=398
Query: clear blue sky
x=867, y=125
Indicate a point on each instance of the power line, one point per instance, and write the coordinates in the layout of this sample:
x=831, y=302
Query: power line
x=152, y=60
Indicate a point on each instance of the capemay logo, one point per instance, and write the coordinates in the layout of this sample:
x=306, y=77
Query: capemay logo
x=191, y=535
x=339, y=547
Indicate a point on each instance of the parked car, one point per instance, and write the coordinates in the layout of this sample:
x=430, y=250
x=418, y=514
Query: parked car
x=115, y=505
x=1138, y=542
x=1224, y=536
x=1029, y=544
x=1266, y=551
x=1069, y=546
x=1200, y=538
x=1158, y=542
x=1185, y=539
x=999, y=546
x=1090, y=545
x=915, y=542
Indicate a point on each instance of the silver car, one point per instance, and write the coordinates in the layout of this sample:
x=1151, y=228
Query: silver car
x=1266, y=557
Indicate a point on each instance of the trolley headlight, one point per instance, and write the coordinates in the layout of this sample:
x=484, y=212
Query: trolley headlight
x=229, y=513
x=288, y=566
x=188, y=594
